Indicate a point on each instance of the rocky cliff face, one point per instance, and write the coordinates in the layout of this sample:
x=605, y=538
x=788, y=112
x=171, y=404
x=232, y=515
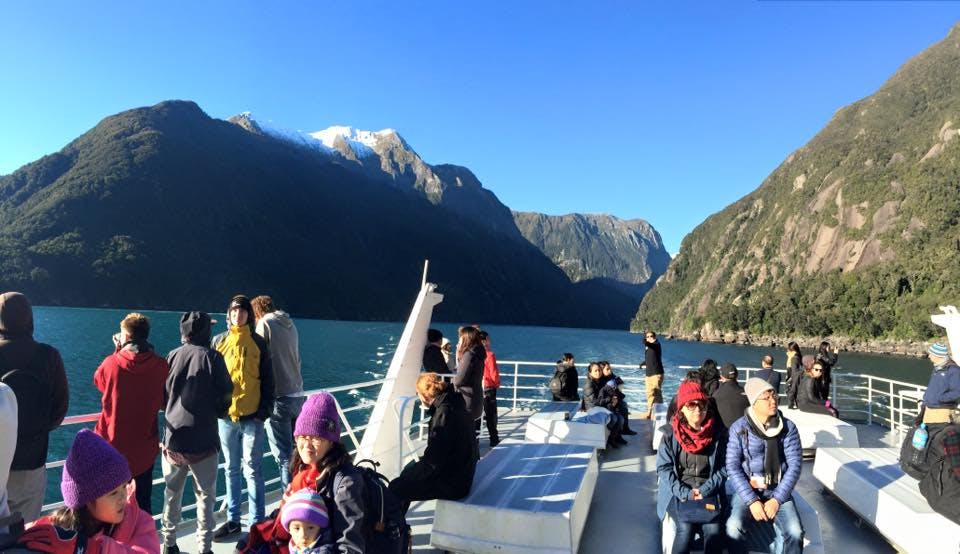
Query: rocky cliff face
x=854, y=234
x=627, y=254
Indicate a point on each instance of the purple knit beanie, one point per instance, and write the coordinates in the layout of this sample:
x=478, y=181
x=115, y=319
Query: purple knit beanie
x=93, y=468
x=304, y=505
x=319, y=418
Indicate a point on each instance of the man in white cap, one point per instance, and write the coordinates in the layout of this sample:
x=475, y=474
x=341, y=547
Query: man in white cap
x=943, y=392
x=763, y=482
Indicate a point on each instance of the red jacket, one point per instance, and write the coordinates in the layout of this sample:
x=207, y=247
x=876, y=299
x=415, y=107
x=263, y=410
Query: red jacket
x=132, y=384
x=491, y=373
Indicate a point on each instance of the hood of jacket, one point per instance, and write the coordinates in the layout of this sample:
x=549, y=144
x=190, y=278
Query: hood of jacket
x=132, y=360
x=281, y=317
x=196, y=328
x=16, y=315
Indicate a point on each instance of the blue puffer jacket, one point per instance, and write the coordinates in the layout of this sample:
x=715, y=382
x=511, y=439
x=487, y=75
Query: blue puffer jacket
x=668, y=469
x=944, y=387
x=745, y=455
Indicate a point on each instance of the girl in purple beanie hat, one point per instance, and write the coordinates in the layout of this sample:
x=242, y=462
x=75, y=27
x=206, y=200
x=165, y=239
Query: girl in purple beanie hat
x=101, y=503
x=323, y=464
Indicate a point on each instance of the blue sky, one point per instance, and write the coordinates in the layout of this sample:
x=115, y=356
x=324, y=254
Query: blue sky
x=666, y=111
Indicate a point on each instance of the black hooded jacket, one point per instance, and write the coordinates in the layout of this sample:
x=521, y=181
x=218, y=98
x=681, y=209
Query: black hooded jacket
x=569, y=382
x=17, y=350
x=198, y=389
x=448, y=464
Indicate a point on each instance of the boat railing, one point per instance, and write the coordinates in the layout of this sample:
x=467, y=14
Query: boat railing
x=887, y=402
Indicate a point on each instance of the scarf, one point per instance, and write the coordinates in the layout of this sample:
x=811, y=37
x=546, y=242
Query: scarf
x=692, y=441
x=770, y=432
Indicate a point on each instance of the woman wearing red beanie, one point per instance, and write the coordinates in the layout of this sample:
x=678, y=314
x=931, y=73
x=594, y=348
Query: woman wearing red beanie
x=692, y=472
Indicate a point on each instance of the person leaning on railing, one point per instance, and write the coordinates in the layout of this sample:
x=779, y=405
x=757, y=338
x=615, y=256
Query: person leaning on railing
x=943, y=392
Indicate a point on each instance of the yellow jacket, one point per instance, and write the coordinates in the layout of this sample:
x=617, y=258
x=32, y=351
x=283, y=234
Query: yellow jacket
x=248, y=362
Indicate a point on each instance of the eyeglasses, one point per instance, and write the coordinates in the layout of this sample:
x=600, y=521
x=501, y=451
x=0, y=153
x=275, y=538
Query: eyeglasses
x=768, y=396
x=315, y=441
x=695, y=406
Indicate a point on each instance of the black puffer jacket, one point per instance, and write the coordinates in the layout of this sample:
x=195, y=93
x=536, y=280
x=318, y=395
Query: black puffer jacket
x=810, y=397
x=469, y=379
x=17, y=349
x=569, y=382
x=591, y=394
x=446, y=469
x=731, y=402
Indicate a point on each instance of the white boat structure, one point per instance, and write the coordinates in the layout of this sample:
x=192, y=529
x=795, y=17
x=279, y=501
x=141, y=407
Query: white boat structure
x=545, y=496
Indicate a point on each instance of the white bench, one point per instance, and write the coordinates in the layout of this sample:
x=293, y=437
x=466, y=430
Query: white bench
x=552, y=424
x=812, y=538
x=659, y=417
x=871, y=483
x=526, y=499
x=822, y=431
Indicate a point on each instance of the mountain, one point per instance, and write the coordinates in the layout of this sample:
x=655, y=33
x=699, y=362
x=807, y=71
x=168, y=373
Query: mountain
x=625, y=254
x=854, y=234
x=165, y=207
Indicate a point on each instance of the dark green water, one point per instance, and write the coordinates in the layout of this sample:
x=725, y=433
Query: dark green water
x=343, y=352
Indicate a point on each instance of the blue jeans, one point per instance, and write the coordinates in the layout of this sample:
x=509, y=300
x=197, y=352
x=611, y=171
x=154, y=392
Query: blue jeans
x=242, y=441
x=712, y=534
x=280, y=432
x=787, y=529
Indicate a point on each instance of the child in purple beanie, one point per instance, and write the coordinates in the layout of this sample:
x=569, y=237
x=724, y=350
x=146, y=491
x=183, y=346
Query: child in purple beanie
x=304, y=516
x=101, y=504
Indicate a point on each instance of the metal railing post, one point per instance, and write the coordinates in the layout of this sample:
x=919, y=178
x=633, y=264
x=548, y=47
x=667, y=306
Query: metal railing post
x=869, y=400
x=516, y=383
x=891, y=409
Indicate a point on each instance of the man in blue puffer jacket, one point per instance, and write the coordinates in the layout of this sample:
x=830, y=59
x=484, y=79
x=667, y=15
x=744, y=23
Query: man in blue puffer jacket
x=764, y=460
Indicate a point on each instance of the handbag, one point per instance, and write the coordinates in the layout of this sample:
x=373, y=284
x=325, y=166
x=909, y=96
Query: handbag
x=705, y=510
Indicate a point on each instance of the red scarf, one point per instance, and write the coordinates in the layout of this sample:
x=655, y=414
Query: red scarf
x=693, y=441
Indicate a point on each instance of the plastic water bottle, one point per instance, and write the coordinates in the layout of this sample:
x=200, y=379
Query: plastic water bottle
x=919, y=443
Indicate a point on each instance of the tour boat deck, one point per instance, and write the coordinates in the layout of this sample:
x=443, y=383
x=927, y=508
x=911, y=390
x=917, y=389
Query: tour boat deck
x=623, y=512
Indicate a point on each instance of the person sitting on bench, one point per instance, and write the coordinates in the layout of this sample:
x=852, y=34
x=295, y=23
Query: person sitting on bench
x=943, y=392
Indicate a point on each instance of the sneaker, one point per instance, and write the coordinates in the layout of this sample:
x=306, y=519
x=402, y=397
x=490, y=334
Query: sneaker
x=628, y=431
x=613, y=444
x=619, y=440
x=172, y=549
x=494, y=442
x=226, y=530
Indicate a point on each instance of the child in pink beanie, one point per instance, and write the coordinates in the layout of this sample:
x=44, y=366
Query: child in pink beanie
x=304, y=516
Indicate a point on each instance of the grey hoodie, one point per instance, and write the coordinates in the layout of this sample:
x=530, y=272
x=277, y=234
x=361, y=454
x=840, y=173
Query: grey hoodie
x=284, y=343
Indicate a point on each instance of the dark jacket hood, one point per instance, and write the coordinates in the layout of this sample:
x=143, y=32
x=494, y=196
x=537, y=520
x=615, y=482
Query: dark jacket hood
x=16, y=314
x=195, y=328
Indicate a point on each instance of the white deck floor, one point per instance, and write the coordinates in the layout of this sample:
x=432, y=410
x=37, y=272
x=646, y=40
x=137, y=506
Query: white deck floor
x=623, y=513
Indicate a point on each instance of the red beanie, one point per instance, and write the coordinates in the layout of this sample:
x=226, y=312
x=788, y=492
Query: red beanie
x=690, y=392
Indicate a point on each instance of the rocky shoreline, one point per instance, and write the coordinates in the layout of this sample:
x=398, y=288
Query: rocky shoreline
x=915, y=349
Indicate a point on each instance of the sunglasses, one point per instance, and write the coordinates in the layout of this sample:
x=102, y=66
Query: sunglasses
x=695, y=405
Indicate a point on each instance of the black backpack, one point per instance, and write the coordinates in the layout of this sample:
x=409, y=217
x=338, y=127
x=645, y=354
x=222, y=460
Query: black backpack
x=34, y=401
x=386, y=528
x=941, y=484
x=555, y=385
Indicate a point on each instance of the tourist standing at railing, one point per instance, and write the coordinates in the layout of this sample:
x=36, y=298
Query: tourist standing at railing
x=794, y=373
x=469, y=378
x=198, y=392
x=433, y=356
x=241, y=433
x=764, y=460
x=446, y=348
x=768, y=374
x=653, y=362
x=491, y=382
x=827, y=356
x=709, y=376
x=446, y=469
x=131, y=381
x=40, y=384
x=568, y=380
x=691, y=466
x=943, y=391
x=323, y=464
x=730, y=399
x=8, y=444
x=101, y=508
x=278, y=330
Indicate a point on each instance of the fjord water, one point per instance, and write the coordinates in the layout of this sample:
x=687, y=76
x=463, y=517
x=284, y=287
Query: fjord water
x=343, y=352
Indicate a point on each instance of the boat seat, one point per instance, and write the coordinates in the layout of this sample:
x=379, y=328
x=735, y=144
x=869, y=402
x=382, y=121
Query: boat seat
x=526, y=498
x=822, y=431
x=871, y=483
x=659, y=417
x=761, y=538
x=552, y=424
